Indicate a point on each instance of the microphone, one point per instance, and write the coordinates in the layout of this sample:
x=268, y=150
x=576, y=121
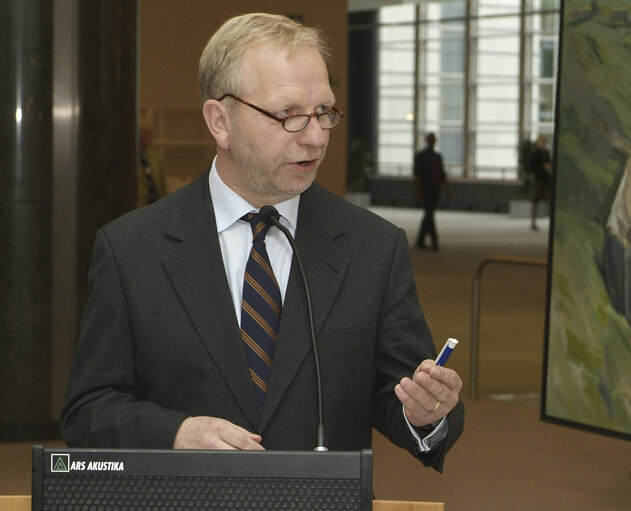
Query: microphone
x=270, y=215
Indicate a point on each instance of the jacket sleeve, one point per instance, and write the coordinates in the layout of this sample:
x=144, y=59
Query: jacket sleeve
x=403, y=341
x=103, y=407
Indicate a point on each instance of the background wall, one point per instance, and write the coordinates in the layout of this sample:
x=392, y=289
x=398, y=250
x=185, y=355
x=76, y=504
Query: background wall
x=172, y=37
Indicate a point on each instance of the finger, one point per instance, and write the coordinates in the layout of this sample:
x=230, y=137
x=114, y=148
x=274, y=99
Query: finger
x=214, y=433
x=239, y=438
x=447, y=377
x=437, y=377
x=432, y=396
x=236, y=444
x=415, y=412
x=425, y=366
x=445, y=393
x=415, y=397
x=434, y=389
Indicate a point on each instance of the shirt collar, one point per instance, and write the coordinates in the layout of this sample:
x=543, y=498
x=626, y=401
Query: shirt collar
x=230, y=207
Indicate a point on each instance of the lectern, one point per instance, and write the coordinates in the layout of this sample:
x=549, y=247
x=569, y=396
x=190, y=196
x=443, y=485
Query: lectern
x=117, y=479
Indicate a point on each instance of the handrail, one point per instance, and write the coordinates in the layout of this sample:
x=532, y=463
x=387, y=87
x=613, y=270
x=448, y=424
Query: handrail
x=475, y=309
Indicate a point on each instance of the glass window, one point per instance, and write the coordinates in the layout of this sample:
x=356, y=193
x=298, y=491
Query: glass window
x=475, y=89
x=495, y=7
x=396, y=89
x=442, y=44
x=543, y=56
x=547, y=59
x=496, y=98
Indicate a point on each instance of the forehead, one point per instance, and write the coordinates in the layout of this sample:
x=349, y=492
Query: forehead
x=277, y=74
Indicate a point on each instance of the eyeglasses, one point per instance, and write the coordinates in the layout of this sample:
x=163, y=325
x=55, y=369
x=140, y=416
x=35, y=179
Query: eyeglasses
x=293, y=123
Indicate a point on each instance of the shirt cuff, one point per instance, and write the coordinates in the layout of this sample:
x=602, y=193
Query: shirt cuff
x=433, y=439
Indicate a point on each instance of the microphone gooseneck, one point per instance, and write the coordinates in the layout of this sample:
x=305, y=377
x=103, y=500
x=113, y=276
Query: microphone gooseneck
x=270, y=215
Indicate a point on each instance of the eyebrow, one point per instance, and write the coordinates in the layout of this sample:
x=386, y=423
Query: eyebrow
x=292, y=105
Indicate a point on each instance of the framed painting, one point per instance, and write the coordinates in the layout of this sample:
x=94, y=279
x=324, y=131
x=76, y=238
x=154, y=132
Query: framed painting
x=587, y=358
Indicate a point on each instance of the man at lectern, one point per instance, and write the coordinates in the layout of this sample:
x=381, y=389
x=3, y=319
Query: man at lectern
x=196, y=333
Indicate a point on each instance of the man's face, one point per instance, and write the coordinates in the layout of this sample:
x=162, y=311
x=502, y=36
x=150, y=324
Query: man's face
x=264, y=163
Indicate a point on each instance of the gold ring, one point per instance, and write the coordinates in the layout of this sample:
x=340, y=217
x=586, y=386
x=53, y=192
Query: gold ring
x=436, y=406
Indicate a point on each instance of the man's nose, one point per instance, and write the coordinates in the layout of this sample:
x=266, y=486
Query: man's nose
x=313, y=134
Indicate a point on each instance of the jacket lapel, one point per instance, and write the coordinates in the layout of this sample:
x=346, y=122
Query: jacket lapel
x=195, y=268
x=324, y=265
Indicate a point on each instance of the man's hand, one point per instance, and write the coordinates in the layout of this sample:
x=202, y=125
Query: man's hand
x=430, y=394
x=214, y=433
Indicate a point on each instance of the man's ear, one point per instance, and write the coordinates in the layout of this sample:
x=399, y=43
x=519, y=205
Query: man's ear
x=218, y=121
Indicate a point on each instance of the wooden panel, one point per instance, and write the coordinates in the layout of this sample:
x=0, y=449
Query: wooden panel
x=181, y=136
x=15, y=503
x=400, y=505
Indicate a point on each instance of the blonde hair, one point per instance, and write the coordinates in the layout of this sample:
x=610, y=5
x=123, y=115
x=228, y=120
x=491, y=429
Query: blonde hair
x=221, y=60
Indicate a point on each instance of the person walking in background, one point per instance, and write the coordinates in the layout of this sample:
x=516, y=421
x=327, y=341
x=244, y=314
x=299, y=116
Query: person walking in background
x=541, y=169
x=429, y=178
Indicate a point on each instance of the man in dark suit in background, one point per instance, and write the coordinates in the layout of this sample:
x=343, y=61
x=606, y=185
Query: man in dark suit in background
x=161, y=361
x=429, y=179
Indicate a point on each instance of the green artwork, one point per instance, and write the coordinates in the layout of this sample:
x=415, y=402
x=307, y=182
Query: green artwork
x=588, y=350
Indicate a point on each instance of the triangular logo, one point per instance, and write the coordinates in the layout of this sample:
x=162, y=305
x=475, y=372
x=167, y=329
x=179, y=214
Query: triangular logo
x=60, y=463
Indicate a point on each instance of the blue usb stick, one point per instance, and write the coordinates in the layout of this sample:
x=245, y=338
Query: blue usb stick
x=449, y=346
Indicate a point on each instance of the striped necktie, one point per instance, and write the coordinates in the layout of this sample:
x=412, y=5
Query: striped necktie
x=260, y=309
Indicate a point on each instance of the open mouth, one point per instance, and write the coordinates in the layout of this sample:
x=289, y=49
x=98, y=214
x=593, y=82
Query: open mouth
x=306, y=163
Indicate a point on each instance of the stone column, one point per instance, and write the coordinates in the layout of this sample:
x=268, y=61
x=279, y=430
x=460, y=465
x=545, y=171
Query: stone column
x=25, y=217
x=67, y=166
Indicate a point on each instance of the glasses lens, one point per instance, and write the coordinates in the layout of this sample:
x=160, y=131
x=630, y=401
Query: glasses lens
x=329, y=120
x=326, y=120
x=296, y=122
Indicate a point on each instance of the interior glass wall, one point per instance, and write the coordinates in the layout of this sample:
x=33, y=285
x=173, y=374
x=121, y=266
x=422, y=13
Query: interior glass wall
x=542, y=36
x=396, y=88
x=442, y=79
x=479, y=74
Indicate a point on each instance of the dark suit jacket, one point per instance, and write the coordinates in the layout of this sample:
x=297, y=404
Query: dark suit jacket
x=160, y=339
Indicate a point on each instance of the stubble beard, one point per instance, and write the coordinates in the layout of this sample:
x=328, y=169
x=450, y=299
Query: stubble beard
x=267, y=181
